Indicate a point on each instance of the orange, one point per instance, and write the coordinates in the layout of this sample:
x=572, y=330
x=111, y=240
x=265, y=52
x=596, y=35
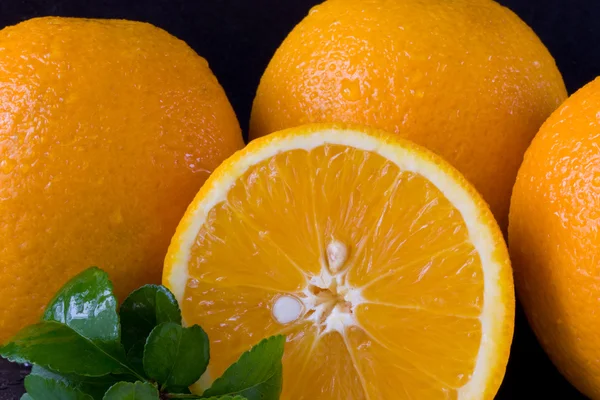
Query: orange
x=554, y=238
x=107, y=130
x=464, y=78
x=381, y=264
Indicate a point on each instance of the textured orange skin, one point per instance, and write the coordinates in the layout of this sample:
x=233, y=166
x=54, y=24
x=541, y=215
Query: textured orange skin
x=107, y=130
x=464, y=78
x=554, y=238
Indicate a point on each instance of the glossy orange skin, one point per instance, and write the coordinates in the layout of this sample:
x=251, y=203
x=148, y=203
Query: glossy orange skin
x=464, y=78
x=554, y=238
x=107, y=130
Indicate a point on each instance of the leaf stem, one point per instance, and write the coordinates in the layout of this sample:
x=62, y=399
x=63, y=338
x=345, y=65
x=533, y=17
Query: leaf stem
x=135, y=374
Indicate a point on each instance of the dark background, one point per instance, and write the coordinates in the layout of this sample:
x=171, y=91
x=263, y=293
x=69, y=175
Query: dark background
x=238, y=37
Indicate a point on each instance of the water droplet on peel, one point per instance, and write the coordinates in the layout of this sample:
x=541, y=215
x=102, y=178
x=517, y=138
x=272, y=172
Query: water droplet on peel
x=7, y=165
x=351, y=89
x=314, y=81
x=287, y=309
x=596, y=179
x=193, y=283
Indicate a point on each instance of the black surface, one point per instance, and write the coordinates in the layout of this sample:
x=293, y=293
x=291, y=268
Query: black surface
x=238, y=37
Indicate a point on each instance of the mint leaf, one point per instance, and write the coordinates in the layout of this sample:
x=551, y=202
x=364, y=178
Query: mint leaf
x=41, y=388
x=94, y=386
x=87, y=305
x=80, y=331
x=57, y=347
x=145, y=308
x=257, y=375
x=135, y=357
x=132, y=391
x=175, y=356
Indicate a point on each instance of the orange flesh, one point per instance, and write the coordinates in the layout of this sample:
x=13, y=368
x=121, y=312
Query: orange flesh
x=418, y=331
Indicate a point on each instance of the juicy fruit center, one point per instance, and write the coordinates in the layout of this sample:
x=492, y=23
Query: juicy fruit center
x=327, y=301
x=364, y=265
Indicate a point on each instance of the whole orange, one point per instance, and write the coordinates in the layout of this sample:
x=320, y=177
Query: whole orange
x=555, y=240
x=466, y=78
x=107, y=130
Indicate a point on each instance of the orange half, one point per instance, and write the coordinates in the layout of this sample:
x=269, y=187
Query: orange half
x=381, y=264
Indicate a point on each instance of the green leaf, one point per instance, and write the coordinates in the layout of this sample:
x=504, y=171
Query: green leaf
x=87, y=305
x=145, y=308
x=226, y=397
x=41, y=388
x=26, y=397
x=135, y=357
x=175, y=356
x=57, y=347
x=94, y=386
x=132, y=391
x=257, y=375
x=80, y=331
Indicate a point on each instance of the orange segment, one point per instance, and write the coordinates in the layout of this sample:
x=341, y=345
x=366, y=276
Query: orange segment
x=447, y=281
x=234, y=330
x=389, y=377
x=348, y=187
x=379, y=262
x=338, y=380
x=226, y=230
x=252, y=198
x=444, y=353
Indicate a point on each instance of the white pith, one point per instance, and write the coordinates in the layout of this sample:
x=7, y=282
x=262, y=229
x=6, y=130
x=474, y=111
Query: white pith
x=493, y=312
x=334, y=307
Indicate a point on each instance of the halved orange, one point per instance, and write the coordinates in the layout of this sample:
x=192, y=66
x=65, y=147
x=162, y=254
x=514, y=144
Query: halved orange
x=381, y=264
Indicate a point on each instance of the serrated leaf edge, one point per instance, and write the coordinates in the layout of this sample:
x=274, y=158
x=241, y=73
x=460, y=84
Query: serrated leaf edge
x=254, y=348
